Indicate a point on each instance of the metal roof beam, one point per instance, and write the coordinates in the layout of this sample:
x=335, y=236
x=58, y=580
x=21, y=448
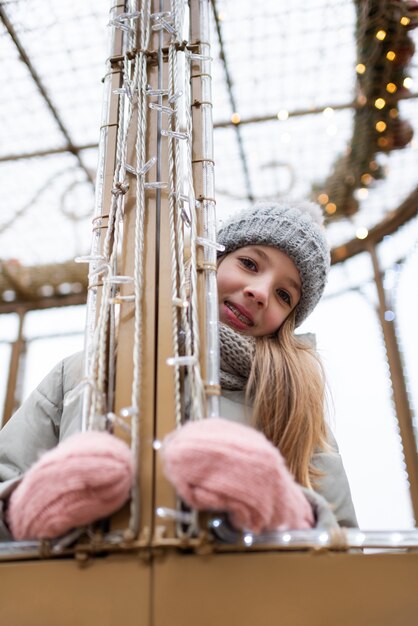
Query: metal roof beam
x=233, y=105
x=308, y=111
x=36, y=78
x=48, y=152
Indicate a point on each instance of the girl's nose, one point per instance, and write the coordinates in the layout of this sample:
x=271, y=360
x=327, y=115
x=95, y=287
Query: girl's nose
x=259, y=292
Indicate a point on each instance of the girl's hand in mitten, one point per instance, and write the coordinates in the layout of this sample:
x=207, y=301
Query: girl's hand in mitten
x=221, y=465
x=87, y=477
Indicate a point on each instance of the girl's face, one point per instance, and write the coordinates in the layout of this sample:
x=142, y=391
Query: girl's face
x=258, y=288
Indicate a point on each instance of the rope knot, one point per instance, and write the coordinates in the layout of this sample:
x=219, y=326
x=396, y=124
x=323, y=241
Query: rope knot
x=120, y=188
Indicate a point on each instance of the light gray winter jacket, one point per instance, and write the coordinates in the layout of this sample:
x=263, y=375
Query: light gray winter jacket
x=43, y=421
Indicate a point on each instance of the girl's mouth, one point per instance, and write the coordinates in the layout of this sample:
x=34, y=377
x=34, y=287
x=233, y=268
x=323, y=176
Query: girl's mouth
x=238, y=315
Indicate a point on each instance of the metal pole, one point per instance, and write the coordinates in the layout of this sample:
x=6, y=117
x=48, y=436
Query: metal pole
x=204, y=186
x=104, y=180
x=13, y=395
x=400, y=394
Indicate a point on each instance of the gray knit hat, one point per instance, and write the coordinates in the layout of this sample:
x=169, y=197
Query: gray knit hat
x=295, y=228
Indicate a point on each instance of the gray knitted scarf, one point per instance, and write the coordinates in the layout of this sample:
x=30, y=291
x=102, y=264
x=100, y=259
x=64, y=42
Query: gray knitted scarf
x=237, y=353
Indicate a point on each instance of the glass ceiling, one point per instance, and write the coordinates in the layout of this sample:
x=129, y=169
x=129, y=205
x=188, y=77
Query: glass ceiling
x=283, y=58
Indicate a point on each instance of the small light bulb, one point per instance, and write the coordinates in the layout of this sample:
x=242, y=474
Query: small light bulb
x=391, y=55
x=331, y=208
x=362, y=232
x=361, y=194
x=283, y=115
x=407, y=82
x=366, y=179
x=405, y=20
x=391, y=87
x=381, y=35
x=380, y=126
x=323, y=198
x=393, y=113
x=359, y=538
x=395, y=538
x=379, y=103
x=323, y=538
x=389, y=316
x=360, y=68
x=328, y=112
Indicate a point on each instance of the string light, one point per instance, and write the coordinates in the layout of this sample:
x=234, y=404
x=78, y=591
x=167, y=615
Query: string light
x=391, y=55
x=317, y=538
x=361, y=194
x=283, y=115
x=374, y=166
x=174, y=134
x=407, y=82
x=328, y=112
x=181, y=360
x=389, y=316
x=391, y=87
x=208, y=243
x=405, y=20
x=235, y=118
x=331, y=208
x=128, y=411
x=393, y=113
x=323, y=198
x=380, y=126
x=379, y=103
x=382, y=142
x=360, y=68
x=381, y=35
x=366, y=179
x=183, y=517
x=362, y=232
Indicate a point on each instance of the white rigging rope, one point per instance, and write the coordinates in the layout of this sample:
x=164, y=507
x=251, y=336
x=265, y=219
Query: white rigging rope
x=136, y=101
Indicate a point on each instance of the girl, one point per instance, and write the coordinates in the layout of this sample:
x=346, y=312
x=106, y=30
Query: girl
x=270, y=277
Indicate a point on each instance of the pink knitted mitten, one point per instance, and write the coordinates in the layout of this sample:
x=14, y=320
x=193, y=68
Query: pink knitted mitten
x=225, y=466
x=86, y=477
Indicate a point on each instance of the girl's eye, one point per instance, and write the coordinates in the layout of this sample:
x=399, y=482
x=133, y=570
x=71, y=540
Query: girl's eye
x=248, y=263
x=283, y=295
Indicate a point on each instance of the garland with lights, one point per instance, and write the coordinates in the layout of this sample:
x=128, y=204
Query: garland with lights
x=384, y=50
x=35, y=286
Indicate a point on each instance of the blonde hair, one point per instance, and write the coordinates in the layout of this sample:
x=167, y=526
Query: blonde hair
x=286, y=387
